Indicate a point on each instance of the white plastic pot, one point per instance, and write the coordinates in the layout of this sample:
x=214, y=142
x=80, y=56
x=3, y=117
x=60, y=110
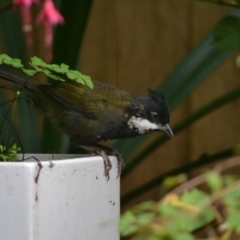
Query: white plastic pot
x=68, y=199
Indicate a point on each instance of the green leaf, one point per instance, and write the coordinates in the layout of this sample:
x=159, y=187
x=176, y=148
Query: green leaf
x=72, y=75
x=227, y=34
x=4, y=57
x=167, y=210
x=2, y=148
x=3, y=157
x=15, y=62
x=88, y=81
x=229, y=179
x=214, y=181
x=184, y=236
x=177, y=220
x=9, y=154
x=36, y=67
x=145, y=218
x=232, y=198
x=29, y=72
x=127, y=225
x=51, y=75
x=64, y=67
x=233, y=220
x=194, y=196
x=180, y=222
x=35, y=61
x=173, y=181
x=145, y=206
x=56, y=68
x=57, y=72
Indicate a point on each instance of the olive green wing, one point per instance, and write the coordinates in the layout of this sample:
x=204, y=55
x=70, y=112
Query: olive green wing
x=81, y=98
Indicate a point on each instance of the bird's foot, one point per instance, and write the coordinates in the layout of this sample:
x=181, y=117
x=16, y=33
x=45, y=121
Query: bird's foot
x=120, y=161
x=102, y=151
x=98, y=151
x=107, y=163
x=116, y=154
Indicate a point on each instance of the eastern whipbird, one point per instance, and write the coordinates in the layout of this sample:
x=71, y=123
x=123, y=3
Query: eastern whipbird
x=89, y=116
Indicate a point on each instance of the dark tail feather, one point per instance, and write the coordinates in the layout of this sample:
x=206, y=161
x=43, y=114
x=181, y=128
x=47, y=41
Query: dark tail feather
x=10, y=74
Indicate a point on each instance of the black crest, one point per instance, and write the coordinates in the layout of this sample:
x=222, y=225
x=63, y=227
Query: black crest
x=159, y=105
x=155, y=96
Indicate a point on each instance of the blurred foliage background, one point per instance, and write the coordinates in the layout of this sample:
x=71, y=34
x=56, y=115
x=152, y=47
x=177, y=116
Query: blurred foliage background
x=186, y=49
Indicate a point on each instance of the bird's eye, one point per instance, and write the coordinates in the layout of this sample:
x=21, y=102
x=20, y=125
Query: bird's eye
x=154, y=115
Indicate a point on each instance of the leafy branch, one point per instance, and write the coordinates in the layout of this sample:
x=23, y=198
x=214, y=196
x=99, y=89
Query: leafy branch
x=56, y=72
x=9, y=154
x=205, y=207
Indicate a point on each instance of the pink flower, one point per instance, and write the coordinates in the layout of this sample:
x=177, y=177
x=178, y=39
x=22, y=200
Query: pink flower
x=49, y=16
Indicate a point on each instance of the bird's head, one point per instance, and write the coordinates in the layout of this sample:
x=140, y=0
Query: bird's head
x=150, y=113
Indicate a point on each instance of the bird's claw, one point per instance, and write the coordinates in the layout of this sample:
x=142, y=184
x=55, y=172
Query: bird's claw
x=103, y=151
x=120, y=162
x=107, y=163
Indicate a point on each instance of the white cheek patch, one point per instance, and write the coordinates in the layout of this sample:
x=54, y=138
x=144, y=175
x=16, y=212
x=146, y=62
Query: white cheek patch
x=142, y=125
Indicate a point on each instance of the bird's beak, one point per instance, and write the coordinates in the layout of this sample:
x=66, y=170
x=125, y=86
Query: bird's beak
x=166, y=129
